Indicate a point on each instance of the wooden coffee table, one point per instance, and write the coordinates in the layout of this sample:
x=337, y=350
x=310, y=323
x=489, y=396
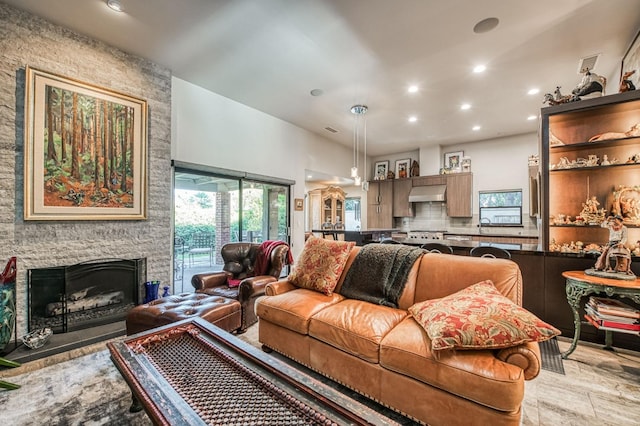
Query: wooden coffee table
x=191, y=372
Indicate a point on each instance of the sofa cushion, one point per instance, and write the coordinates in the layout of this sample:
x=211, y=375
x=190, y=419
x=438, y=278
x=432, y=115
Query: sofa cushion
x=294, y=308
x=479, y=317
x=475, y=375
x=320, y=264
x=355, y=327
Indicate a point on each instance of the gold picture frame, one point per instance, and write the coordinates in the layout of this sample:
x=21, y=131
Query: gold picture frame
x=298, y=204
x=631, y=61
x=92, y=165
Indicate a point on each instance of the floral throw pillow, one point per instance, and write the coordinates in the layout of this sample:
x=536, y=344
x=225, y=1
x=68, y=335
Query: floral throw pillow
x=320, y=264
x=479, y=317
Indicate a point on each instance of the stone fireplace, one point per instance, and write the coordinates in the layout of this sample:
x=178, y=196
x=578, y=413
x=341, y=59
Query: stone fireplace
x=85, y=295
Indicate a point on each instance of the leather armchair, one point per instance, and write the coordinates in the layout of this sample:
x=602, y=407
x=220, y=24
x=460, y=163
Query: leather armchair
x=239, y=263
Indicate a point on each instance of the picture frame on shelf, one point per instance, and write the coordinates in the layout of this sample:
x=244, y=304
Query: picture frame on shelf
x=380, y=170
x=453, y=160
x=631, y=61
x=403, y=168
x=298, y=204
x=102, y=173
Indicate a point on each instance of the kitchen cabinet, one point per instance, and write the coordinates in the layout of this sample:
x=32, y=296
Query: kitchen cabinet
x=591, y=169
x=429, y=180
x=459, y=194
x=401, y=205
x=326, y=205
x=380, y=204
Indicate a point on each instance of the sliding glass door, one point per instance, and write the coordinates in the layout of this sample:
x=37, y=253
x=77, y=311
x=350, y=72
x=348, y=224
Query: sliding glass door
x=212, y=210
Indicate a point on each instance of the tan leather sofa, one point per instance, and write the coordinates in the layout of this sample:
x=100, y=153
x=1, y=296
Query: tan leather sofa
x=385, y=354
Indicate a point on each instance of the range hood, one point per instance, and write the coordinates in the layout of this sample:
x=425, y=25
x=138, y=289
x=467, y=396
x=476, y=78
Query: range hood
x=420, y=194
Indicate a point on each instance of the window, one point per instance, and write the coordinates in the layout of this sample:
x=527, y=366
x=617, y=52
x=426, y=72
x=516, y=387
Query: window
x=352, y=213
x=500, y=208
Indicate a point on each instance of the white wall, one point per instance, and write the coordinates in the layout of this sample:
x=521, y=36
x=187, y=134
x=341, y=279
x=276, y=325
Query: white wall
x=211, y=130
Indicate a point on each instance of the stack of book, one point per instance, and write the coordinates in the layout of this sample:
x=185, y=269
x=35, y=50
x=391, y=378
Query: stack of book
x=612, y=314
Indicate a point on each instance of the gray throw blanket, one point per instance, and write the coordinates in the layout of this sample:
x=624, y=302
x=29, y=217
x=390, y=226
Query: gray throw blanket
x=379, y=273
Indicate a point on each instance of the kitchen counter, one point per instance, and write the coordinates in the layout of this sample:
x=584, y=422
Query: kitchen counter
x=466, y=245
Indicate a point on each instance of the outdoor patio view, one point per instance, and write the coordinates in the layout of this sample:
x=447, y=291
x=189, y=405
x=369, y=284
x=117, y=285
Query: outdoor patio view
x=212, y=211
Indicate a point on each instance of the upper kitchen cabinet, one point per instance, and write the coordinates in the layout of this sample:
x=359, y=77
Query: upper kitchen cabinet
x=326, y=205
x=401, y=205
x=380, y=204
x=590, y=169
x=459, y=194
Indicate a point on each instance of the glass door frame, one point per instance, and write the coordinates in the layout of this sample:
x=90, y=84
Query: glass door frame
x=245, y=181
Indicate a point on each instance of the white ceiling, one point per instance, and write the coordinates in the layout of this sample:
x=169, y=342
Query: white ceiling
x=269, y=54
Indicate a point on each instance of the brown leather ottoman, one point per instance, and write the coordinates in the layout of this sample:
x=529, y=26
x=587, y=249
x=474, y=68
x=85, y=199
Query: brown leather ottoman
x=220, y=311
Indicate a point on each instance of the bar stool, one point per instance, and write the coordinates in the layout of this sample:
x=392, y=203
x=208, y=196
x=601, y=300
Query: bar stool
x=437, y=248
x=488, y=251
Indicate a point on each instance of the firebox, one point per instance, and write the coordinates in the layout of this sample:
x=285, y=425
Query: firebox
x=85, y=295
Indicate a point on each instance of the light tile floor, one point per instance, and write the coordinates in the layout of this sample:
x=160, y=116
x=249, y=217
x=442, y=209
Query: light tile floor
x=600, y=387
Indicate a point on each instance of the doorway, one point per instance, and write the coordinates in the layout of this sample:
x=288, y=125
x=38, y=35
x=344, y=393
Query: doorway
x=211, y=210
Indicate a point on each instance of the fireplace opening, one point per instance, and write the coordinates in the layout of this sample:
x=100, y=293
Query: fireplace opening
x=85, y=295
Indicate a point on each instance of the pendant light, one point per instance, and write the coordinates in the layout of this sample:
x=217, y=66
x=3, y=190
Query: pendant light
x=358, y=111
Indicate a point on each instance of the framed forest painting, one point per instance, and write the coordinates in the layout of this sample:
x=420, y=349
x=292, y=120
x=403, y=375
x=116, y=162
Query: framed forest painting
x=85, y=151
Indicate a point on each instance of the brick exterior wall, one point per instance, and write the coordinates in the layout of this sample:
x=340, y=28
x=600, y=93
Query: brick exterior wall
x=29, y=40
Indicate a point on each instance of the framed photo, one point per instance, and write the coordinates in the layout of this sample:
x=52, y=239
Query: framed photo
x=631, y=61
x=381, y=169
x=85, y=151
x=453, y=160
x=403, y=168
x=298, y=204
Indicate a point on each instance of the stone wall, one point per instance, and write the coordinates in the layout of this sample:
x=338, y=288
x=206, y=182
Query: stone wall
x=29, y=40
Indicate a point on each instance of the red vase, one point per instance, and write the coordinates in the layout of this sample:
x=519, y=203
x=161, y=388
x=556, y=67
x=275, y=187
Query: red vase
x=7, y=302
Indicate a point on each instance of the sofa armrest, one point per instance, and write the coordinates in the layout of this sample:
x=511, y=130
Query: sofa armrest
x=253, y=287
x=279, y=287
x=526, y=356
x=210, y=280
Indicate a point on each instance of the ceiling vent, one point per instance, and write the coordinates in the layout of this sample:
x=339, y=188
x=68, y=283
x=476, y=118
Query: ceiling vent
x=330, y=129
x=588, y=63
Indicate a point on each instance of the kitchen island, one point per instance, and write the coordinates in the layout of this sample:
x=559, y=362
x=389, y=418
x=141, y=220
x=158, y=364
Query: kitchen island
x=360, y=237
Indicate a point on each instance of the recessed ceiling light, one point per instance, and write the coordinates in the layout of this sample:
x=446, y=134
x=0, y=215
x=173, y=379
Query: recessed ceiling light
x=412, y=89
x=532, y=117
x=465, y=106
x=413, y=119
x=486, y=25
x=115, y=5
x=309, y=176
x=479, y=68
x=533, y=91
x=317, y=92
x=475, y=128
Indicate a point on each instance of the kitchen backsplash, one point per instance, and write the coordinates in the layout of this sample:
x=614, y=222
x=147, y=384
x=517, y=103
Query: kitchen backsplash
x=433, y=217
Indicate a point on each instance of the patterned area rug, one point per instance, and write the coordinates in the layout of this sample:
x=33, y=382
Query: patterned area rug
x=87, y=390
x=551, y=358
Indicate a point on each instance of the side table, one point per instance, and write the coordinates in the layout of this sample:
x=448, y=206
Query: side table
x=579, y=284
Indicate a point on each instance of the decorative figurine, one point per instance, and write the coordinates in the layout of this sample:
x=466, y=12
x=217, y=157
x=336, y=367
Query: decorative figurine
x=557, y=98
x=626, y=204
x=625, y=83
x=415, y=169
x=632, y=132
x=591, y=86
x=615, y=259
x=590, y=213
